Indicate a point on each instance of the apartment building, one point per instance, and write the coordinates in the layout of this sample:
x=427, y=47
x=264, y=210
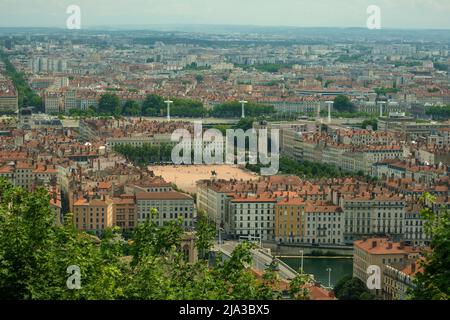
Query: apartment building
x=139, y=141
x=28, y=175
x=93, y=214
x=156, y=185
x=53, y=103
x=70, y=100
x=169, y=207
x=372, y=214
x=414, y=232
x=399, y=280
x=380, y=252
x=9, y=98
x=124, y=213
x=215, y=202
x=289, y=219
x=323, y=224
x=357, y=160
x=253, y=216
x=395, y=168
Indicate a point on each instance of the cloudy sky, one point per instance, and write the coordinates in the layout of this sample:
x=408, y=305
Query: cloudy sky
x=416, y=14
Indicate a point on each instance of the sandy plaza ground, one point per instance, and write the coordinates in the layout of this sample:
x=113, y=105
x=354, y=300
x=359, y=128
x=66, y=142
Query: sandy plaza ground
x=186, y=176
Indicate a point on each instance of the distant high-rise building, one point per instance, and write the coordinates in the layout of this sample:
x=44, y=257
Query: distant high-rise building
x=8, y=44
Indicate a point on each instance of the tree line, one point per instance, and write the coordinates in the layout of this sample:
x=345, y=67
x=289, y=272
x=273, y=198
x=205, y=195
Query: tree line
x=439, y=112
x=27, y=97
x=305, y=169
x=154, y=106
x=145, y=154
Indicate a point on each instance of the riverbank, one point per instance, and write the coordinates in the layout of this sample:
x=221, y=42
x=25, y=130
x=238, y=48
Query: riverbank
x=296, y=250
x=319, y=266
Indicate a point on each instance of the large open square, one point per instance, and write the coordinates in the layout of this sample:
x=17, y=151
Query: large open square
x=186, y=176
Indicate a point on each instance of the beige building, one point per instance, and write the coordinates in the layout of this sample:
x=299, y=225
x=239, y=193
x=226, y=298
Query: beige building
x=93, y=214
x=139, y=141
x=188, y=246
x=124, y=212
x=169, y=206
x=27, y=175
x=323, y=224
x=369, y=214
x=214, y=202
x=9, y=99
x=53, y=103
x=380, y=252
x=399, y=280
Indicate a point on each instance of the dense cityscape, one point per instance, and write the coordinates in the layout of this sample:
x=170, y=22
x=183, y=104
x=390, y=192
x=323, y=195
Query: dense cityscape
x=358, y=208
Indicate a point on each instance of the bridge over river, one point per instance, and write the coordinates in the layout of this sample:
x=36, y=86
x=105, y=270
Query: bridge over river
x=261, y=259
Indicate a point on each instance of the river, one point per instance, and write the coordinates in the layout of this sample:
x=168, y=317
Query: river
x=340, y=267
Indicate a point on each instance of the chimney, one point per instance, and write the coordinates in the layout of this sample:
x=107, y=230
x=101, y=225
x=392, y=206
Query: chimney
x=389, y=246
x=374, y=243
x=413, y=267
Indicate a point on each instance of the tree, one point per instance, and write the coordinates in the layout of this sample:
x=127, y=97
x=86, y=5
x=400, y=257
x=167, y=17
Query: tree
x=206, y=232
x=199, y=78
x=35, y=254
x=187, y=108
x=433, y=283
x=370, y=122
x=349, y=288
x=152, y=105
x=109, y=104
x=131, y=108
x=439, y=112
x=343, y=104
x=298, y=287
x=27, y=97
x=245, y=124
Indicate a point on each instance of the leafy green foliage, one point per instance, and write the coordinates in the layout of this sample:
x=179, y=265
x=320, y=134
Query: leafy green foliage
x=370, y=122
x=109, y=104
x=245, y=124
x=385, y=91
x=145, y=154
x=206, y=232
x=343, y=104
x=27, y=97
x=439, y=113
x=349, y=288
x=131, y=108
x=305, y=168
x=88, y=113
x=35, y=254
x=298, y=287
x=434, y=282
x=187, y=108
x=152, y=105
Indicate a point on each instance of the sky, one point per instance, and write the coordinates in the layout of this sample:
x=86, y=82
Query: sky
x=410, y=14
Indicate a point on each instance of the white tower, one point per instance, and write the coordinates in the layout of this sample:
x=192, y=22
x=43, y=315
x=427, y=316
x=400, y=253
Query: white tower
x=243, y=103
x=329, y=104
x=168, y=102
x=381, y=103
